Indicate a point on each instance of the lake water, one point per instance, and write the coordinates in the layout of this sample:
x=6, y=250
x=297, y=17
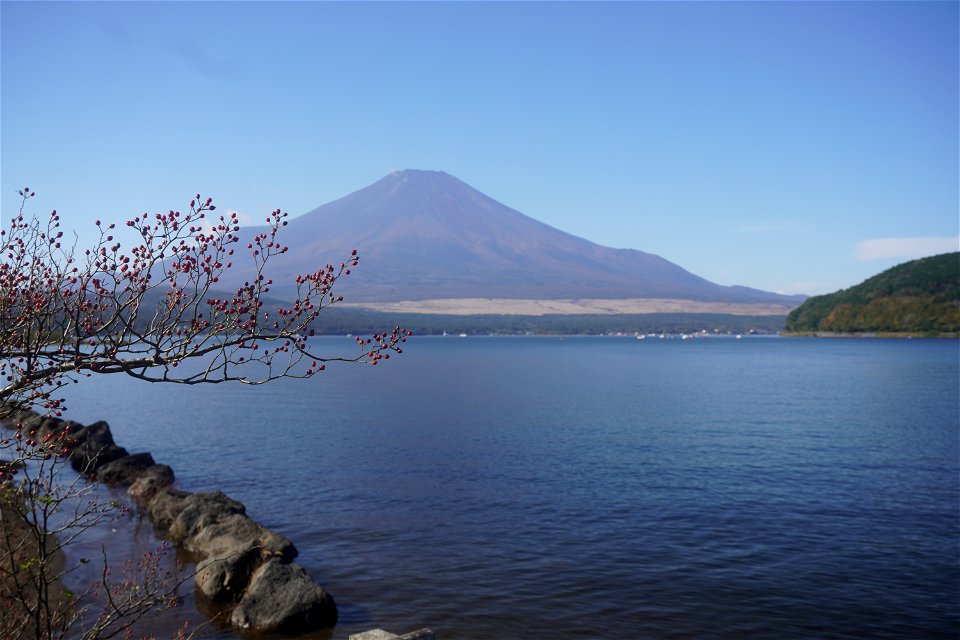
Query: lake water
x=497, y=488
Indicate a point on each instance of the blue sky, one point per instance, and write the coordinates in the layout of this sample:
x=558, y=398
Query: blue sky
x=793, y=147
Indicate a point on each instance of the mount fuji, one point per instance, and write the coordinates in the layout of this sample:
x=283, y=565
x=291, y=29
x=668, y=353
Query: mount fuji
x=425, y=235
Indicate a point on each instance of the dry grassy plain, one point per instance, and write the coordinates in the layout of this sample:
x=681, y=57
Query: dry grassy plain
x=509, y=306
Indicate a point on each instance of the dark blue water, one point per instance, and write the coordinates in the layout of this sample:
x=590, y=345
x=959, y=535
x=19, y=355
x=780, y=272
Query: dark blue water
x=595, y=487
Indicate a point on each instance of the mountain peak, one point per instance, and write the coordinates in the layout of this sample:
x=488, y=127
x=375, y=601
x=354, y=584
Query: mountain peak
x=423, y=179
x=420, y=173
x=426, y=234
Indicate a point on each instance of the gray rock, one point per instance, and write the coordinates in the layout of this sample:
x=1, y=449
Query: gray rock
x=150, y=481
x=92, y=447
x=97, y=434
x=97, y=457
x=282, y=597
x=374, y=634
x=234, y=547
x=236, y=530
x=380, y=634
x=419, y=634
x=124, y=471
x=164, y=506
x=225, y=573
x=42, y=426
x=183, y=515
x=199, y=511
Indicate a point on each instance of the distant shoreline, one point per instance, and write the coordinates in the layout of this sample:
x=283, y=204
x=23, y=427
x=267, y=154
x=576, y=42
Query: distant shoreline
x=870, y=334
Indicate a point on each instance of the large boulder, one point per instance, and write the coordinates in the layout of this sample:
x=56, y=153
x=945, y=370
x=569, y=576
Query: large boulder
x=199, y=511
x=149, y=482
x=241, y=530
x=183, y=515
x=282, y=597
x=40, y=426
x=233, y=546
x=164, y=506
x=124, y=471
x=92, y=447
x=225, y=573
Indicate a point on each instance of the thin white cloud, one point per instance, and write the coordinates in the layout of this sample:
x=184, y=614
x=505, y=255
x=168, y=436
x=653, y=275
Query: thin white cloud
x=906, y=248
x=243, y=219
x=211, y=220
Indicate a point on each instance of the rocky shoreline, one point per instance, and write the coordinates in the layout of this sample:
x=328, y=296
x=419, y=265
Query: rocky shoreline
x=243, y=565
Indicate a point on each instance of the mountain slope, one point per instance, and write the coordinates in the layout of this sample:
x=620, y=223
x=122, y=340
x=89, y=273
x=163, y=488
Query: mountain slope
x=427, y=235
x=920, y=296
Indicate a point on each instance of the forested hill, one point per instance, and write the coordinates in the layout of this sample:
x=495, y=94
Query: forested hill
x=921, y=296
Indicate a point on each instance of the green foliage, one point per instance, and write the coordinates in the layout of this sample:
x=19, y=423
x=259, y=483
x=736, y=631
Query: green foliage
x=922, y=296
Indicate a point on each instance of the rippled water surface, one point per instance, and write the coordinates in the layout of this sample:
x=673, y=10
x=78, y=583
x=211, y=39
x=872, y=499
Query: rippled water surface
x=594, y=487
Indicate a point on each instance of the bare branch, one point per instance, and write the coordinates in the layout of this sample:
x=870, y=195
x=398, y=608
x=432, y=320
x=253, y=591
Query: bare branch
x=67, y=314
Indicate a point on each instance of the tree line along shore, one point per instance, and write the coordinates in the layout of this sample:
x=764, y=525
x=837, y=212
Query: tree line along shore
x=920, y=298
